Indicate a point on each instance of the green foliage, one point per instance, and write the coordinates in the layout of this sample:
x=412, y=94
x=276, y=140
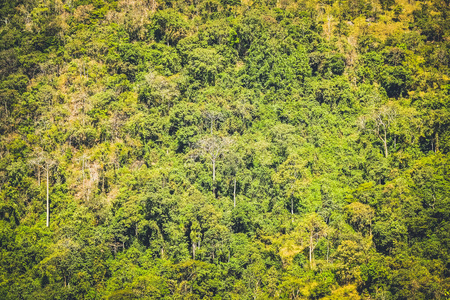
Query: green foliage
x=169, y=26
x=224, y=150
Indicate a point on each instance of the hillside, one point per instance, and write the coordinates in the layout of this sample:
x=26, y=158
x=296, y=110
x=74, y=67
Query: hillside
x=224, y=149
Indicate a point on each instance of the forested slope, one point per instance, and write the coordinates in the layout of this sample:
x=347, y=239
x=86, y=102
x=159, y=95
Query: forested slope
x=225, y=149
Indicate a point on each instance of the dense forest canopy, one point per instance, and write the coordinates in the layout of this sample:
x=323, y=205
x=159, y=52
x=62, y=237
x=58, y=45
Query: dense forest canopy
x=223, y=149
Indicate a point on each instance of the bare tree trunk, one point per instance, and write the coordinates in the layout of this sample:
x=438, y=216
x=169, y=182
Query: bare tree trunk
x=292, y=206
x=84, y=190
x=234, y=192
x=329, y=18
x=310, y=249
x=385, y=144
x=328, y=249
x=214, y=170
x=437, y=142
x=48, y=203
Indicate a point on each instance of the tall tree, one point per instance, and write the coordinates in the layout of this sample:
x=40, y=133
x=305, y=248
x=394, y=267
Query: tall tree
x=43, y=160
x=314, y=228
x=212, y=148
x=380, y=122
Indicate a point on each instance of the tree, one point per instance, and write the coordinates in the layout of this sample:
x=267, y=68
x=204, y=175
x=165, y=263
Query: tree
x=195, y=236
x=62, y=260
x=43, y=160
x=380, y=122
x=315, y=228
x=234, y=163
x=168, y=25
x=158, y=91
x=213, y=116
x=361, y=215
x=213, y=147
x=205, y=65
x=292, y=177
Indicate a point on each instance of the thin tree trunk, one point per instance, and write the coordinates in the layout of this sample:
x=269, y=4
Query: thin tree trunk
x=84, y=190
x=385, y=145
x=310, y=249
x=48, y=204
x=437, y=142
x=214, y=170
x=234, y=192
x=328, y=249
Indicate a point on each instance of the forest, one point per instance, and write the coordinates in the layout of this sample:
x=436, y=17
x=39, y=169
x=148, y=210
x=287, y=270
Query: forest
x=224, y=149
